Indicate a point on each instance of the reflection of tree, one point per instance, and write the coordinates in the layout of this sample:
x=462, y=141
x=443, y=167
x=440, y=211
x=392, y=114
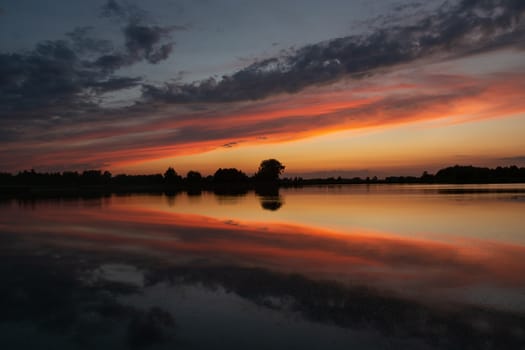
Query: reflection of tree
x=170, y=197
x=230, y=191
x=267, y=191
x=269, y=197
x=272, y=203
x=194, y=192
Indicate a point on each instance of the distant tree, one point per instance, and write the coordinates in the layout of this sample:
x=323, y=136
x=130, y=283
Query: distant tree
x=70, y=177
x=464, y=174
x=106, y=177
x=171, y=176
x=92, y=177
x=269, y=170
x=426, y=177
x=230, y=175
x=193, y=176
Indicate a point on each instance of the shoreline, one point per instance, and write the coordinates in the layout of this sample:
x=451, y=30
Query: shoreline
x=13, y=192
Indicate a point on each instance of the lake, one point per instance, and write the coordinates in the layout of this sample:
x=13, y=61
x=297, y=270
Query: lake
x=336, y=267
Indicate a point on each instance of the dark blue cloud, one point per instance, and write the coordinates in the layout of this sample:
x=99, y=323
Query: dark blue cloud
x=67, y=76
x=123, y=11
x=146, y=42
x=463, y=28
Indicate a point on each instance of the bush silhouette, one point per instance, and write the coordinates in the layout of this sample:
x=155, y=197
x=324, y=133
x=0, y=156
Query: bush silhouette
x=269, y=170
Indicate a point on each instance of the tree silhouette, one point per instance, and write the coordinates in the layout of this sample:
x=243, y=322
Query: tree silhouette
x=228, y=180
x=229, y=175
x=193, y=176
x=269, y=170
x=171, y=176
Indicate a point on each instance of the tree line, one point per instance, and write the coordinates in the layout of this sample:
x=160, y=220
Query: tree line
x=268, y=174
x=459, y=174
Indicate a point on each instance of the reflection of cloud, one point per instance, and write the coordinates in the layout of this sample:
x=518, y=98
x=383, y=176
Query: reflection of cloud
x=374, y=259
x=48, y=292
x=357, y=307
x=52, y=298
x=120, y=273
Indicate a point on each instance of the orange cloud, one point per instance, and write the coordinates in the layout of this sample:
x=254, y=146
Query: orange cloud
x=167, y=131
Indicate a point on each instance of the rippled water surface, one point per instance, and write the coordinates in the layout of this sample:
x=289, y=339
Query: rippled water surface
x=361, y=267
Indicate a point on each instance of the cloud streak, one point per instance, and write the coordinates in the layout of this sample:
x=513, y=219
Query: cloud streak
x=456, y=30
x=51, y=97
x=182, y=130
x=66, y=77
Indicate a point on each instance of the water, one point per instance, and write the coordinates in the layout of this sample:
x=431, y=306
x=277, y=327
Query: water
x=366, y=267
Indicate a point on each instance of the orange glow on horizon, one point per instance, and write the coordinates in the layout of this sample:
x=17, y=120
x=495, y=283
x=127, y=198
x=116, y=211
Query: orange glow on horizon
x=216, y=134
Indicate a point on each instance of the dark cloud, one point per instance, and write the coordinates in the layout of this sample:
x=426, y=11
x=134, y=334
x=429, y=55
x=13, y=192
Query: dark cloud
x=52, y=77
x=116, y=83
x=146, y=42
x=8, y=134
x=40, y=77
x=83, y=42
x=143, y=41
x=66, y=76
x=123, y=11
x=111, y=62
x=230, y=144
x=460, y=29
x=403, y=7
x=112, y=8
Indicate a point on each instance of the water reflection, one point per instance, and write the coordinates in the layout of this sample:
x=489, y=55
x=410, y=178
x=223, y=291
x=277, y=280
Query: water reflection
x=48, y=301
x=418, y=267
x=269, y=197
x=174, y=270
x=75, y=299
x=271, y=203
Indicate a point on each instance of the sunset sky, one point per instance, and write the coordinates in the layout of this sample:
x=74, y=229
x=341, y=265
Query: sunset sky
x=333, y=87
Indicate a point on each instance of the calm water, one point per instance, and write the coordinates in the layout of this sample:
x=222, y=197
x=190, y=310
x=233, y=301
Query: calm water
x=361, y=267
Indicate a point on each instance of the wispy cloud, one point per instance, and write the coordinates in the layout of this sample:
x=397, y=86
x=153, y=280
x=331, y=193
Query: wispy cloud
x=455, y=30
x=513, y=160
x=67, y=77
x=50, y=96
x=180, y=130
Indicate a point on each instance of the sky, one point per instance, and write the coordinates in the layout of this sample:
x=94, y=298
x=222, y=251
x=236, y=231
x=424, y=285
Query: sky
x=329, y=88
